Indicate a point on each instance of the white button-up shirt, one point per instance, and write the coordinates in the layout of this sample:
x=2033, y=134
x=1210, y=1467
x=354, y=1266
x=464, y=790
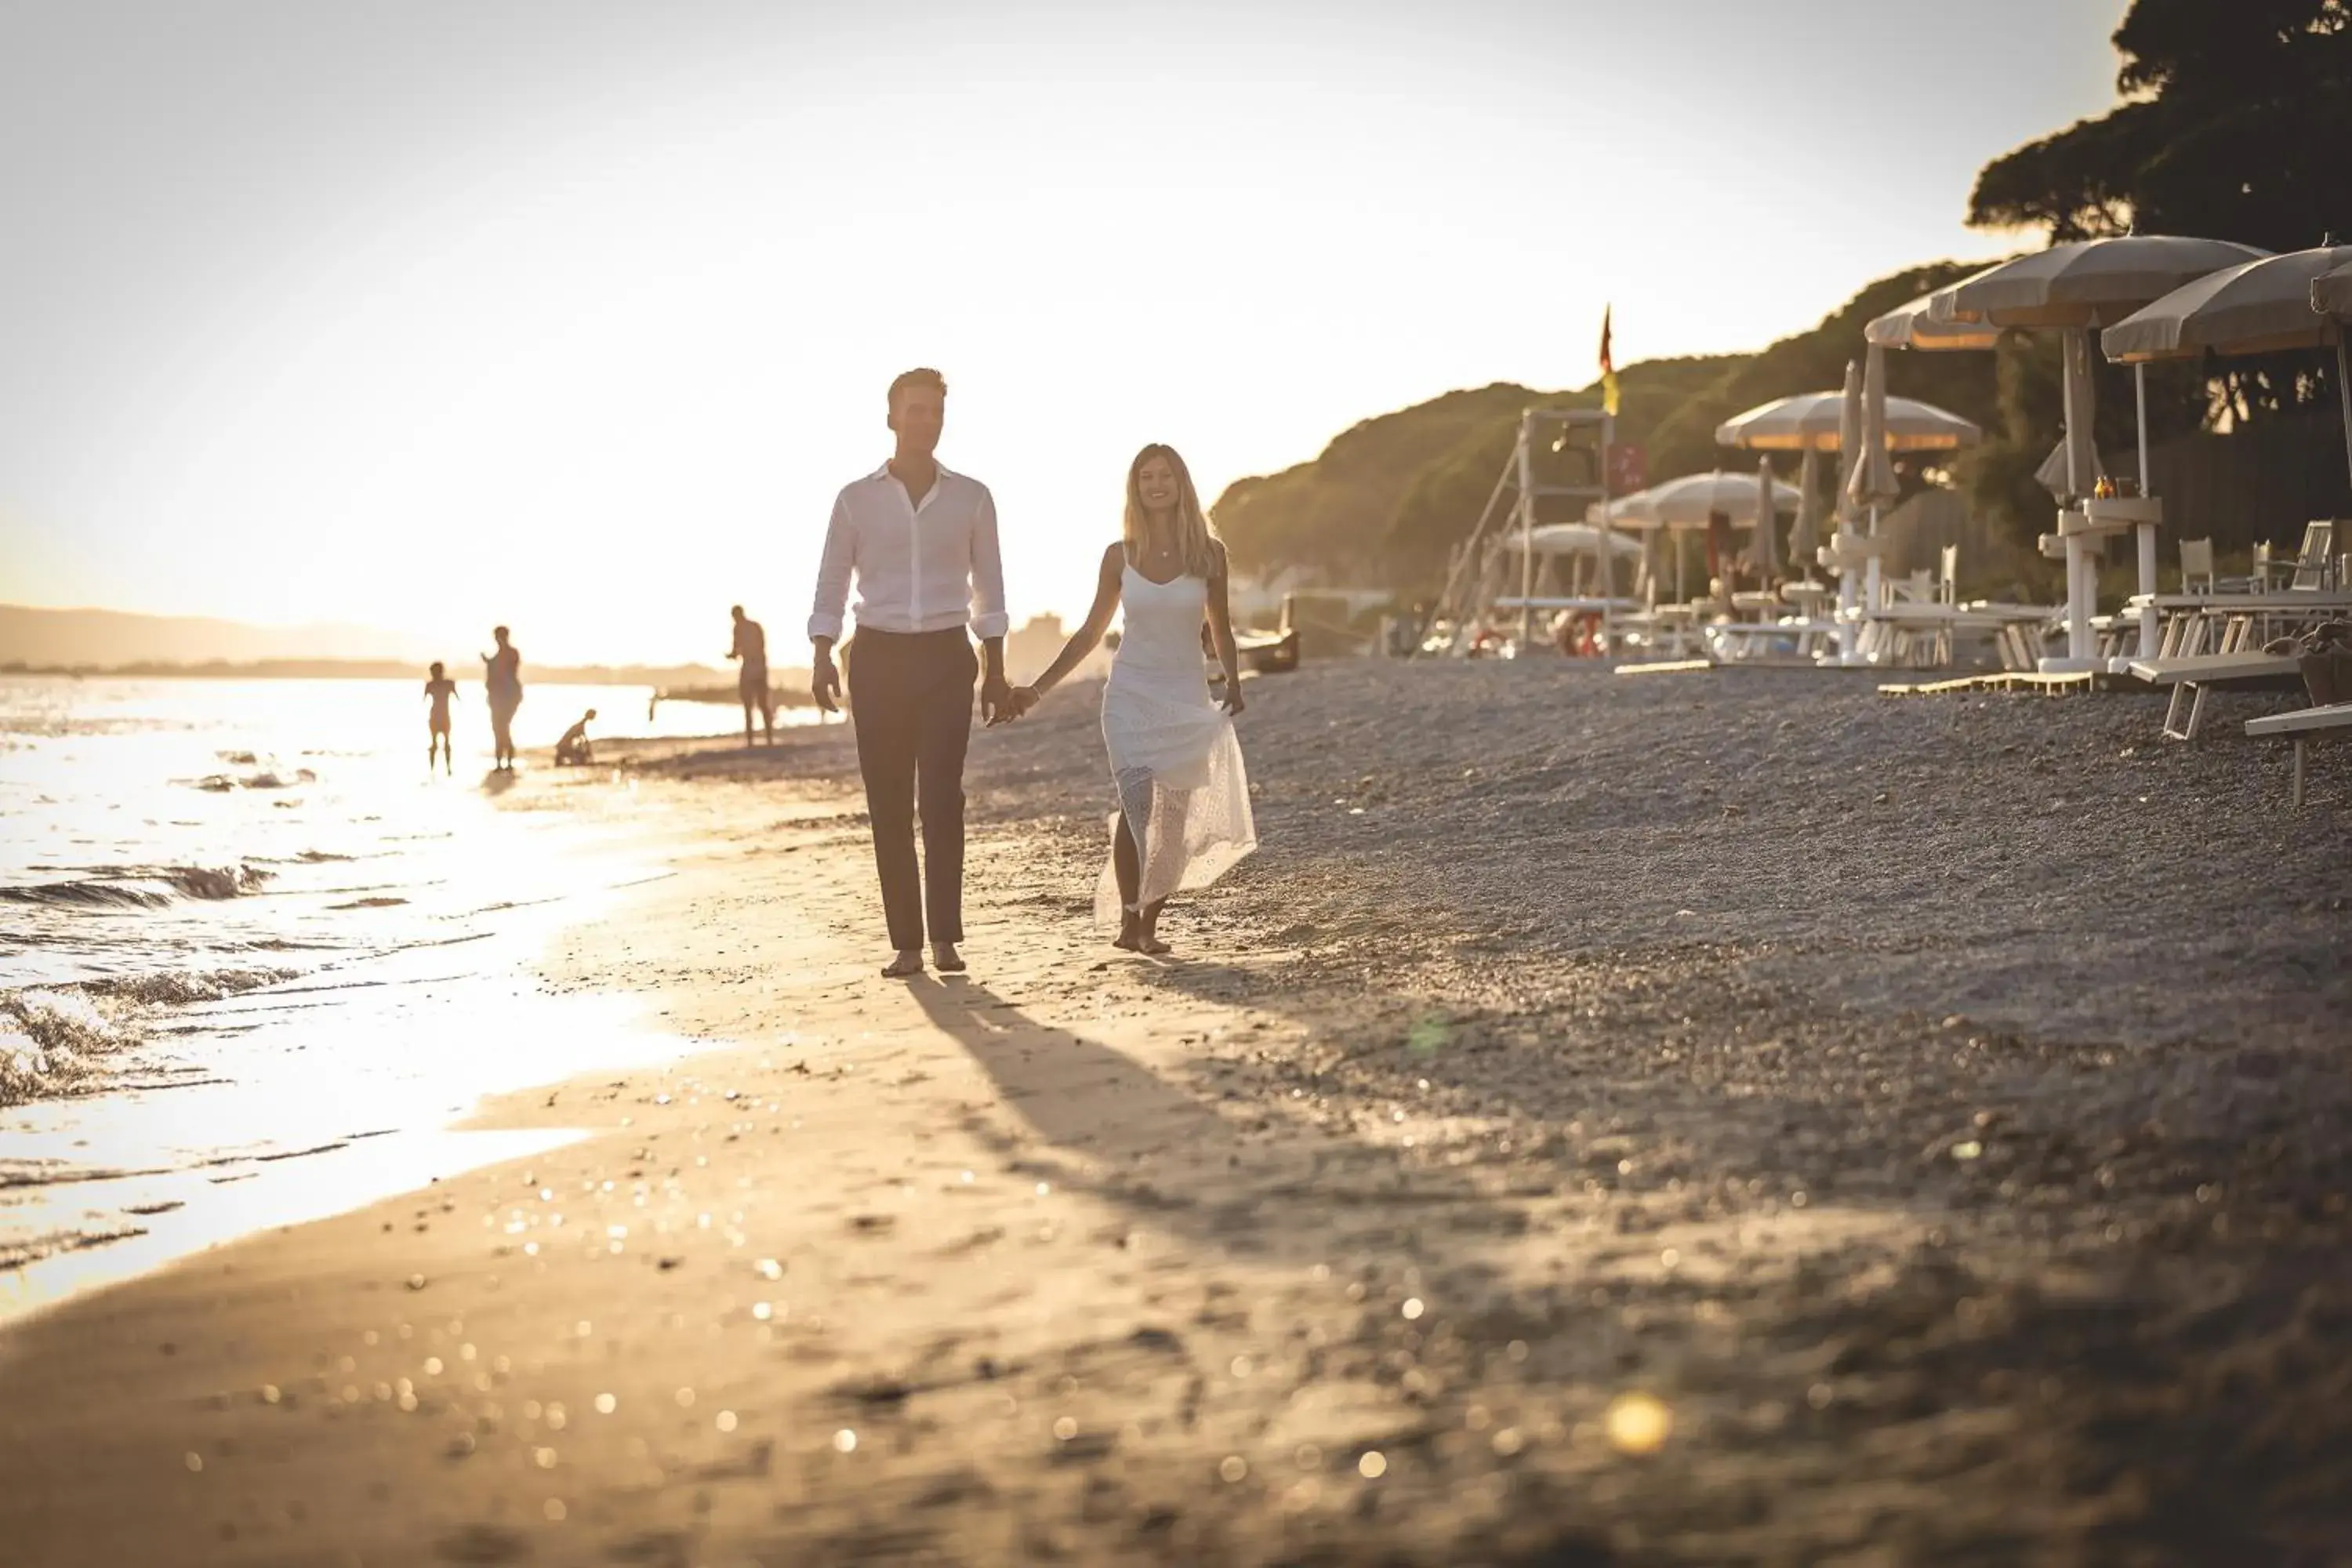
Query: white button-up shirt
x=922, y=566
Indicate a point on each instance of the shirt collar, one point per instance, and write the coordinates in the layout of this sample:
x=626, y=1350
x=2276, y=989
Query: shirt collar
x=883, y=471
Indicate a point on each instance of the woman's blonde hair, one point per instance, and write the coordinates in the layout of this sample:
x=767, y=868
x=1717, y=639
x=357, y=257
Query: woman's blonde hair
x=1195, y=539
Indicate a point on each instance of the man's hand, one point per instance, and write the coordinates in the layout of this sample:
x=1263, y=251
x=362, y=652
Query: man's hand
x=996, y=701
x=825, y=682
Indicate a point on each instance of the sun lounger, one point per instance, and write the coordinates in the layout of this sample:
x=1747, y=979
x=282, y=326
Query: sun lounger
x=2191, y=678
x=2299, y=727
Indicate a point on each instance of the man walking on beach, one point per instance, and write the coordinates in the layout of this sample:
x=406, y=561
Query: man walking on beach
x=751, y=680
x=920, y=542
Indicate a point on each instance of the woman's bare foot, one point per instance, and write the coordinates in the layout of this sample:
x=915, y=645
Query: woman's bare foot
x=1146, y=934
x=910, y=961
x=946, y=959
x=1130, y=931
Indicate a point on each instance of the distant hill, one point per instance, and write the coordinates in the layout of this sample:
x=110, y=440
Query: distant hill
x=1385, y=501
x=105, y=638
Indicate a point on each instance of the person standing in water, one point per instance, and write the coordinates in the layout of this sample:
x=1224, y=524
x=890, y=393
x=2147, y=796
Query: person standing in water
x=752, y=680
x=502, y=683
x=439, y=691
x=1183, y=817
x=920, y=543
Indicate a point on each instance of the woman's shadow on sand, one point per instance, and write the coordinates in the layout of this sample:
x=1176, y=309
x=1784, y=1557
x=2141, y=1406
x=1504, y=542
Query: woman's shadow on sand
x=1255, y=1183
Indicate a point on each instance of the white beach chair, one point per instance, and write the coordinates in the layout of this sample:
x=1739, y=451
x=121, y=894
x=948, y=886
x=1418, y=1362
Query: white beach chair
x=2193, y=678
x=2314, y=563
x=2299, y=727
x=2197, y=565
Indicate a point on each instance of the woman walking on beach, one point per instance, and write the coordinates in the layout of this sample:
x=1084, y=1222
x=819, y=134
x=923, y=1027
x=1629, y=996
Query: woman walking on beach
x=502, y=683
x=1183, y=816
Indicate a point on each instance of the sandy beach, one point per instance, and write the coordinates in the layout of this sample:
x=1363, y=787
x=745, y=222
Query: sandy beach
x=1736, y=1119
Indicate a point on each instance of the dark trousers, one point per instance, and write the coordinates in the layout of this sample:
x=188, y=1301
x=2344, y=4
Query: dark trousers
x=910, y=703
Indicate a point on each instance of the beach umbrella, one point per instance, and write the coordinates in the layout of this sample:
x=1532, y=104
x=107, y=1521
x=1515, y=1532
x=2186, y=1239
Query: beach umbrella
x=1871, y=481
x=2084, y=283
x=1909, y=326
x=2073, y=288
x=1579, y=539
x=1809, y=421
x=1766, y=548
x=1806, y=538
x=1686, y=503
x=2256, y=307
x=2333, y=293
x=1849, y=439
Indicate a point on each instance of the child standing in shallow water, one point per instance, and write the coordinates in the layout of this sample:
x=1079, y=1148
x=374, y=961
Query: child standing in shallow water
x=438, y=691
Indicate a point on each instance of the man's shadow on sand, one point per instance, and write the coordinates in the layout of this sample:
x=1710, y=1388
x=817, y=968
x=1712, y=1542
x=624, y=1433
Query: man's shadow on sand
x=1265, y=1185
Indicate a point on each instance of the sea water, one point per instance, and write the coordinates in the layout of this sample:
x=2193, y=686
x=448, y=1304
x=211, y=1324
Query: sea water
x=255, y=958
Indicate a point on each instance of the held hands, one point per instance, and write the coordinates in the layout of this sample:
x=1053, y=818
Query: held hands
x=824, y=683
x=1014, y=703
x=996, y=701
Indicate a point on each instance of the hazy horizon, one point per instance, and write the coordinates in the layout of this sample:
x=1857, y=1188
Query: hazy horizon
x=422, y=317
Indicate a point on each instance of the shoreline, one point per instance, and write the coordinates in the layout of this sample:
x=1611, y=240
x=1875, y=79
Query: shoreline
x=1663, y=1129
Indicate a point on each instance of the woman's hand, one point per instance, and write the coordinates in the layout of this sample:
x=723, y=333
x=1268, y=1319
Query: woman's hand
x=1023, y=699
x=1234, y=702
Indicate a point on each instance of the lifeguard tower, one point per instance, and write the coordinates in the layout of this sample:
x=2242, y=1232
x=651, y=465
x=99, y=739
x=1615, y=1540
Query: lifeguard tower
x=1550, y=502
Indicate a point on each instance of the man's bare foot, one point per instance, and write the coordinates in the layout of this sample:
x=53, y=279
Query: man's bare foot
x=1150, y=945
x=908, y=961
x=946, y=959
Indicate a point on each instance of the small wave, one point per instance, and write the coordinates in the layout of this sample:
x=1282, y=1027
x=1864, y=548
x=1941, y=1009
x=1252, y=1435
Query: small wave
x=59, y=1040
x=85, y=895
x=215, y=881
x=53, y=1042
x=179, y=990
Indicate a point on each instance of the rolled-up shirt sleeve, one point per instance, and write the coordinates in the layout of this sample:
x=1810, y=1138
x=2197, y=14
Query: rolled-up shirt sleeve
x=987, y=616
x=832, y=573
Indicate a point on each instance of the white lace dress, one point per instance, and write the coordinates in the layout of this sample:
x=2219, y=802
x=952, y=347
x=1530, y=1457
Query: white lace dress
x=1174, y=759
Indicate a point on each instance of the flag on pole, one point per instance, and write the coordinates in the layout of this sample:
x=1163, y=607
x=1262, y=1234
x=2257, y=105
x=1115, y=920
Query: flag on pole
x=1608, y=368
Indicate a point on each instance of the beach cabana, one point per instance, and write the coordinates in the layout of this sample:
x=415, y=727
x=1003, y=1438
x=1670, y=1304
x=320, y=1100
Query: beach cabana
x=2072, y=290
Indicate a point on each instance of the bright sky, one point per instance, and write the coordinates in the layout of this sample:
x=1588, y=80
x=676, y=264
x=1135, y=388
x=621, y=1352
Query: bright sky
x=431, y=313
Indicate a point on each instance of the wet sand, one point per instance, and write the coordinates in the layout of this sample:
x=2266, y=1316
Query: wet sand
x=1738, y=1119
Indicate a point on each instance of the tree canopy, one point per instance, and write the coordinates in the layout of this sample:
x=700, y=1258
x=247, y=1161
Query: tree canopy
x=2236, y=124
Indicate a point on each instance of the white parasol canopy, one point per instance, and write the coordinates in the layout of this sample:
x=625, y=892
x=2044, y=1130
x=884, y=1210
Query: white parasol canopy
x=1686, y=502
x=1910, y=327
x=1576, y=539
x=1810, y=420
x=2333, y=293
x=2256, y=307
x=2086, y=283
